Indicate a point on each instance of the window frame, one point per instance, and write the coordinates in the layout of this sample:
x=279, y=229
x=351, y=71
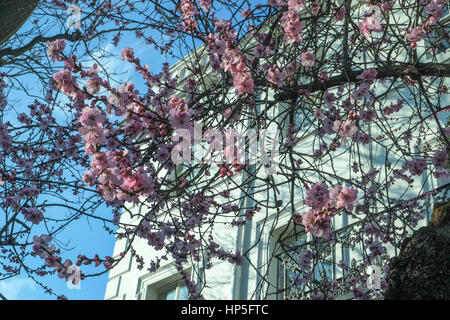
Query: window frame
x=163, y=292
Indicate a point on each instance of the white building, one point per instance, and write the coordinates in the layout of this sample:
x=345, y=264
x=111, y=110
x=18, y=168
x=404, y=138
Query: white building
x=270, y=236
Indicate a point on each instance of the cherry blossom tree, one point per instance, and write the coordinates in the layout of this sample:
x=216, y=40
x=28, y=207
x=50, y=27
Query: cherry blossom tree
x=353, y=93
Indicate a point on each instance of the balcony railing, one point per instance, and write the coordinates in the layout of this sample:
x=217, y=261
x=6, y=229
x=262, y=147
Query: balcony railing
x=325, y=270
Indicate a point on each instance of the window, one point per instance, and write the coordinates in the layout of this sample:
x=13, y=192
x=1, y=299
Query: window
x=182, y=74
x=174, y=291
x=289, y=277
x=287, y=266
x=169, y=286
x=324, y=270
x=439, y=40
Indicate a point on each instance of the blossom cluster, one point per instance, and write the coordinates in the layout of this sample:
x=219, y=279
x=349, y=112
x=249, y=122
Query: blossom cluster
x=126, y=132
x=65, y=82
x=189, y=11
x=43, y=248
x=435, y=10
x=235, y=63
x=276, y=77
x=292, y=27
x=92, y=130
x=179, y=114
x=225, y=55
x=55, y=48
x=324, y=205
x=371, y=23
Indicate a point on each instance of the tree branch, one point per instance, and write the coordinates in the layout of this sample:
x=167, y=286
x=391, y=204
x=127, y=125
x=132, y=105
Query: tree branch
x=388, y=71
x=75, y=36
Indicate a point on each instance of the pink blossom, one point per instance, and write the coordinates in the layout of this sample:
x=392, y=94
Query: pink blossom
x=385, y=6
x=340, y=14
x=189, y=11
x=317, y=196
x=315, y=7
x=92, y=130
x=323, y=76
x=190, y=24
x=234, y=62
x=361, y=93
x=140, y=182
x=435, y=8
x=108, y=193
x=364, y=29
x=440, y=158
x=41, y=246
x=416, y=166
x=368, y=25
x=128, y=54
x=92, y=138
x=205, y=5
x=291, y=67
x=345, y=129
x=90, y=176
x=316, y=223
x=367, y=115
x=394, y=107
x=230, y=60
x=64, y=81
x=292, y=27
x=94, y=84
x=415, y=35
x=55, y=48
x=291, y=139
x=111, y=176
x=368, y=75
x=308, y=59
x=231, y=114
x=441, y=174
x=179, y=114
x=344, y=197
x=296, y=5
x=328, y=98
x=244, y=82
x=5, y=138
x=91, y=117
x=347, y=104
x=33, y=215
x=373, y=24
x=246, y=13
x=120, y=98
x=276, y=77
x=319, y=114
x=188, y=8
x=216, y=45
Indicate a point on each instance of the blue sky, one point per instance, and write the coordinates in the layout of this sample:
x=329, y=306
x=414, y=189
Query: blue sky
x=85, y=236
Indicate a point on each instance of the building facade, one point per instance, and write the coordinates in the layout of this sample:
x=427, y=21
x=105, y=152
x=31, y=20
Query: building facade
x=271, y=241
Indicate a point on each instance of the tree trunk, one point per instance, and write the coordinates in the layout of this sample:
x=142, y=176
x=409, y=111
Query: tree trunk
x=13, y=14
x=422, y=269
